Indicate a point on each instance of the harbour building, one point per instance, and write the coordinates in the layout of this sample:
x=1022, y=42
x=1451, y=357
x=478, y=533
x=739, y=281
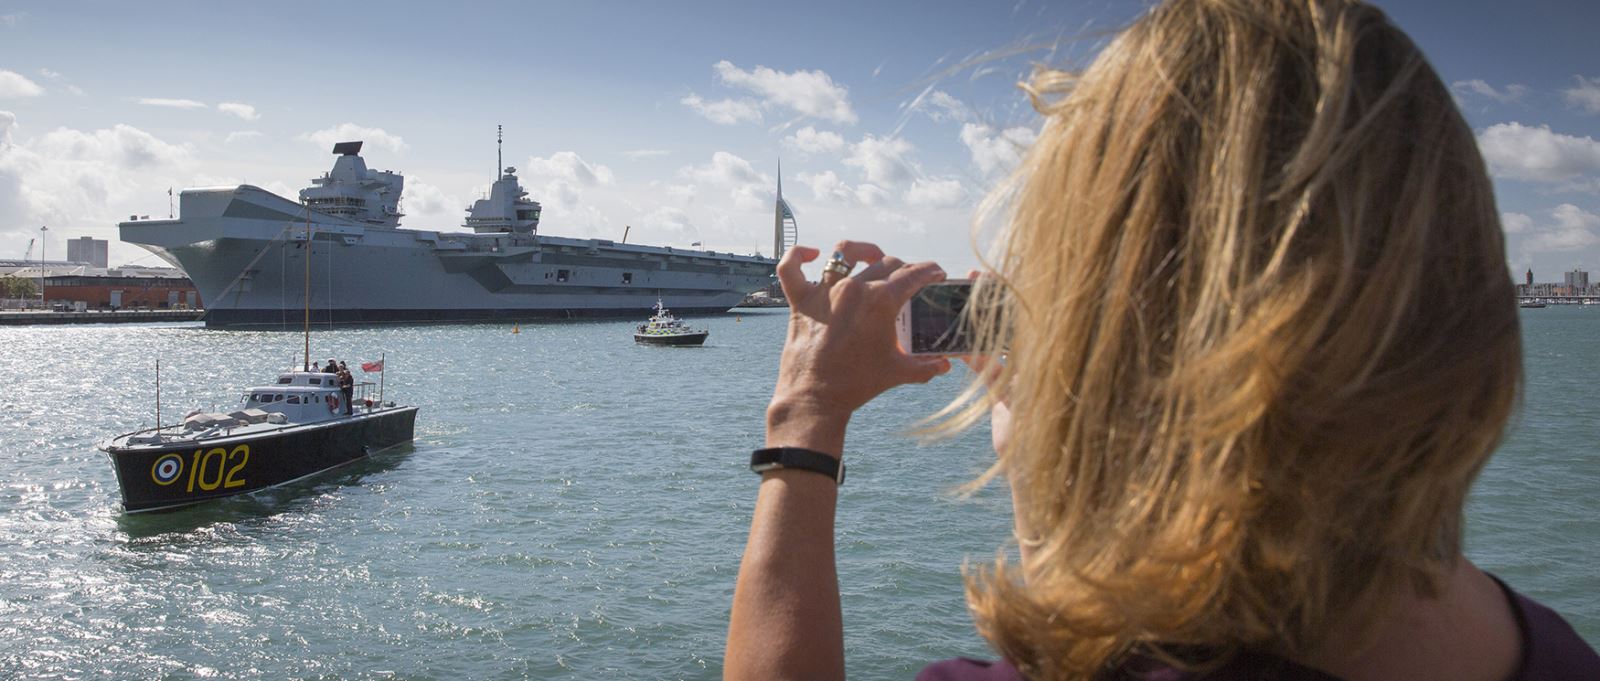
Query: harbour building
x=1577, y=283
x=89, y=251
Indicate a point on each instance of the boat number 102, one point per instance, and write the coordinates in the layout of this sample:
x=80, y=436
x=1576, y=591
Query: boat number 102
x=208, y=468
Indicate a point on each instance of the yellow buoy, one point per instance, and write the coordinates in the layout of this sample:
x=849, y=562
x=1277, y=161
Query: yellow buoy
x=515, y=328
x=738, y=319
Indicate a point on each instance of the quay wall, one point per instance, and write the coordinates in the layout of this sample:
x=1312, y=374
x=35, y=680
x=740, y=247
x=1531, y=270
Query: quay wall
x=100, y=317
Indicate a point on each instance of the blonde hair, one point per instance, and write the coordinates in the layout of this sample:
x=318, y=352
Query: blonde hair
x=1261, y=337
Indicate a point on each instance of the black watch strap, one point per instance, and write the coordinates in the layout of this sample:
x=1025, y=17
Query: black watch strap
x=774, y=458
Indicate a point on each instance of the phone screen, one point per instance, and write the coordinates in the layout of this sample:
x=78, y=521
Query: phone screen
x=937, y=325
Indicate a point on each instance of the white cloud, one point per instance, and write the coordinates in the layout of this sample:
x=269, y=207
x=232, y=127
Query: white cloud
x=902, y=223
x=47, y=73
x=637, y=154
x=1537, y=154
x=75, y=90
x=240, y=135
x=748, y=188
x=425, y=204
x=882, y=160
x=564, y=212
x=724, y=112
x=172, y=103
x=667, y=220
x=1511, y=93
x=725, y=170
x=1571, y=228
x=244, y=111
x=684, y=193
x=559, y=195
x=123, y=146
x=350, y=132
x=16, y=85
x=1585, y=95
x=812, y=141
x=826, y=186
x=567, y=165
x=808, y=93
x=936, y=193
x=940, y=105
x=11, y=20
x=996, y=152
x=871, y=195
x=84, y=181
x=1515, y=223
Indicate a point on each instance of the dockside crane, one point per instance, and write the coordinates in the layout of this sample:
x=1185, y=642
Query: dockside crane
x=28, y=255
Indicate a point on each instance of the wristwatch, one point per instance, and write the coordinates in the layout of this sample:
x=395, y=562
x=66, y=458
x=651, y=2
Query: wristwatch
x=775, y=458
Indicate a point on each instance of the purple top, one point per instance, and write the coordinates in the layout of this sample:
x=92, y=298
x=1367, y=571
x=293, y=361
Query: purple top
x=1551, y=651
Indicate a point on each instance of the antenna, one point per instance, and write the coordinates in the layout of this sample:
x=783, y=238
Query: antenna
x=499, y=143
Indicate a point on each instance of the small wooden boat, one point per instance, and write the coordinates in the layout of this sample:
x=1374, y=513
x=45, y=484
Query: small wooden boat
x=280, y=433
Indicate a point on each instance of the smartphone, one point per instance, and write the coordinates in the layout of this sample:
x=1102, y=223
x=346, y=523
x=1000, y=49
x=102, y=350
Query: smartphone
x=932, y=323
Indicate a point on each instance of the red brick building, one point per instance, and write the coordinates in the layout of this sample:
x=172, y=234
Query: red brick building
x=121, y=292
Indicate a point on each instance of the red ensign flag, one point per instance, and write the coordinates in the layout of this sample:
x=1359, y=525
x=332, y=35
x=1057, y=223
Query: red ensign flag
x=372, y=367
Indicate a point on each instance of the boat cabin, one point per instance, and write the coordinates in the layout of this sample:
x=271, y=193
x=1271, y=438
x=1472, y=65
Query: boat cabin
x=301, y=396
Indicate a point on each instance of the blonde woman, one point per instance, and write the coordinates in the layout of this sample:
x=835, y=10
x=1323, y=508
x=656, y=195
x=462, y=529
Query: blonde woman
x=1259, y=339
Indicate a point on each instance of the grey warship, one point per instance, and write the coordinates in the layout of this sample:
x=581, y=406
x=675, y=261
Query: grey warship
x=242, y=245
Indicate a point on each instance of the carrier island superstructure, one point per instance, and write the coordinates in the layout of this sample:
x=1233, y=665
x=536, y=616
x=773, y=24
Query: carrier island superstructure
x=245, y=248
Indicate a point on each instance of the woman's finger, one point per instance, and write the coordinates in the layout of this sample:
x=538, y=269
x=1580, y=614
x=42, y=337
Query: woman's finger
x=906, y=281
x=857, y=252
x=880, y=269
x=789, y=275
x=920, y=369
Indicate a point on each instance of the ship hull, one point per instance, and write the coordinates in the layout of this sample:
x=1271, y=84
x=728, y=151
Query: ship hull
x=671, y=339
x=292, y=319
x=247, y=253
x=196, y=472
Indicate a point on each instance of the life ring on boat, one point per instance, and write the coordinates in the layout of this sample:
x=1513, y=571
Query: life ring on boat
x=333, y=404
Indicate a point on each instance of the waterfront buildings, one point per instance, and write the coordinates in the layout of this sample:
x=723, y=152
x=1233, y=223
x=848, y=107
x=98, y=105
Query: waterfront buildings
x=1573, y=283
x=88, y=250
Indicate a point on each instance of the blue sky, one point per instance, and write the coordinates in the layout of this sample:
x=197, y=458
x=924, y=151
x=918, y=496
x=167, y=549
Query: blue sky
x=892, y=118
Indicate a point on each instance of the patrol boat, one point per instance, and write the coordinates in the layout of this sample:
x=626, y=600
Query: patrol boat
x=280, y=433
x=240, y=246
x=665, y=329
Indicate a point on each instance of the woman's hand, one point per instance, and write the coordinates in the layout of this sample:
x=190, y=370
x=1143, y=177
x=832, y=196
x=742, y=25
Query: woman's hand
x=840, y=354
x=841, y=350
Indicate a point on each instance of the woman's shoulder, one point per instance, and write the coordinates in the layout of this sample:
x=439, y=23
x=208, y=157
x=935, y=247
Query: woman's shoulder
x=968, y=669
x=1551, y=649
x=1244, y=667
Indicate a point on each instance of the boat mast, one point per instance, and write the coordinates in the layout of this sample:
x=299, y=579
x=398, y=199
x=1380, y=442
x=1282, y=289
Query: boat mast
x=499, y=148
x=777, y=227
x=306, y=364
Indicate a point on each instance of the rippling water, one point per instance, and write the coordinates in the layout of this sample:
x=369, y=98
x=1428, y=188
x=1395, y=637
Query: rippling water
x=573, y=506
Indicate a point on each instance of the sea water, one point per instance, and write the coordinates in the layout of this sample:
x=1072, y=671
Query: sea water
x=574, y=506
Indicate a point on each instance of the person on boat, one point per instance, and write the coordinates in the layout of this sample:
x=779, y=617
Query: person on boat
x=332, y=367
x=1247, y=339
x=347, y=385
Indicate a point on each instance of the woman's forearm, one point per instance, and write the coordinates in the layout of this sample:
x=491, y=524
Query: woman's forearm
x=839, y=354
x=786, y=622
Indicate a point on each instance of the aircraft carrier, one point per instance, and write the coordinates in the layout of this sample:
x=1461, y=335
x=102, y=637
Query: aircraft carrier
x=245, y=249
